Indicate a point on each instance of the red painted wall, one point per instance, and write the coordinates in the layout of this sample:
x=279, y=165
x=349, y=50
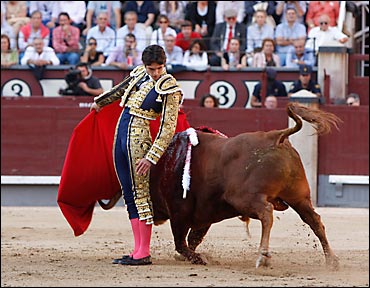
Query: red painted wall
x=35, y=132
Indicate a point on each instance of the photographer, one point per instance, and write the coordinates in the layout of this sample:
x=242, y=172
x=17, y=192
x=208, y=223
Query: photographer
x=81, y=82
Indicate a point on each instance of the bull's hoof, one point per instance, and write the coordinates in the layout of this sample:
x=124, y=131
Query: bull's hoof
x=332, y=263
x=194, y=259
x=197, y=259
x=179, y=257
x=264, y=260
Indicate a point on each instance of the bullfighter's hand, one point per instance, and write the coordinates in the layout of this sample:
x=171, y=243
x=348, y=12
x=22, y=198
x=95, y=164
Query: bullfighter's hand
x=143, y=166
x=94, y=106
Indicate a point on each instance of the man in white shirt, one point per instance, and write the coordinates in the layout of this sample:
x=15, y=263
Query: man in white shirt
x=39, y=55
x=174, y=54
x=324, y=33
x=104, y=35
x=132, y=26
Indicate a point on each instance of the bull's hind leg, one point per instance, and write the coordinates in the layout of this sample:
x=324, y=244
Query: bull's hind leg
x=179, y=232
x=309, y=216
x=196, y=237
x=265, y=215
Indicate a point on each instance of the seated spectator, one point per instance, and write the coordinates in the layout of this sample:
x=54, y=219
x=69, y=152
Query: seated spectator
x=250, y=7
x=164, y=29
x=29, y=32
x=16, y=15
x=299, y=6
x=145, y=11
x=271, y=102
x=174, y=54
x=90, y=55
x=222, y=35
x=209, y=101
x=112, y=8
x=186, y=36
x=274, y=87
x=234, y=59
x=256, y=32
x=38, y=56
x=9, y=56
x=104, y=35
x=266, y=57
x=48, y=10
x=318, y=36
x=86, y=84
x=6, y=29
x=202, y=15
x=222, y=6
x=353, y=99
x=305, y=82
x=76, y=11
x=299, y=55
x=317, y=8
x=286, y=33
x=196, y=58
x=132, y=26
x=66, y=40
x=175, y=11
x=127, y=56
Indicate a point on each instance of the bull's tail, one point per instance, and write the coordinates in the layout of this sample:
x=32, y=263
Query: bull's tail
x=322, y=121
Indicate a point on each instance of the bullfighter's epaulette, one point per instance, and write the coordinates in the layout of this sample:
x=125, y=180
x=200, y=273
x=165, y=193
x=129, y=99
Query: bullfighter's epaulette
x=167, y=84
x=137, y=71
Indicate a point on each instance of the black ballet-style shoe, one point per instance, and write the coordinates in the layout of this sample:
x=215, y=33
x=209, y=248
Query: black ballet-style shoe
x=119, y=260
x=142, y=261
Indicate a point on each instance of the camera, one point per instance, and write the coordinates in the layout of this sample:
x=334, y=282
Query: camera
x=73, y=78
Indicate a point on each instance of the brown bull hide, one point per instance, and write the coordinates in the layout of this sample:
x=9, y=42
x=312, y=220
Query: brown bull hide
x=246, y=176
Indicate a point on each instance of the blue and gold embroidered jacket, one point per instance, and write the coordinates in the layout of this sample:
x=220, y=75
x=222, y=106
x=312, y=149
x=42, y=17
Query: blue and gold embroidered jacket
x=149, y=100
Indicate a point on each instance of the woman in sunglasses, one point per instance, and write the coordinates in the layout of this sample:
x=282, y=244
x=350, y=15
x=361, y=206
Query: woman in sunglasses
x=91, y=55
x=162, y=30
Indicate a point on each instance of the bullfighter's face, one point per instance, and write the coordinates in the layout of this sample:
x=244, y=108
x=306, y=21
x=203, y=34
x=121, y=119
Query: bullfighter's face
x=155, y=70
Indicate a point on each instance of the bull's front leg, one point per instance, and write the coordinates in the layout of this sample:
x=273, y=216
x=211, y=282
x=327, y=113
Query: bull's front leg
x=266, y=218
x=196, y=237
x=179, y=233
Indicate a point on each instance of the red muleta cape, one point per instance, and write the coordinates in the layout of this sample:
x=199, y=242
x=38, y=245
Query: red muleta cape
x=88, y=173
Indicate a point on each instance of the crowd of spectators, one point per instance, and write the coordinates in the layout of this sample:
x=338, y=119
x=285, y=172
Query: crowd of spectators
x=267, y=33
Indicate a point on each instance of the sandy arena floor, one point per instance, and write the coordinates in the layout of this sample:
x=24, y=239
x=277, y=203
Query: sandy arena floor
x=38, y=249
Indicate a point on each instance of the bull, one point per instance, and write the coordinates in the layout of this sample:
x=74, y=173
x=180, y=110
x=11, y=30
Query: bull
x=246, y=176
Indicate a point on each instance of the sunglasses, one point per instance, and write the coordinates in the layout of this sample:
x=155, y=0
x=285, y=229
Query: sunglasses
x=92, y=43
x=323, y=23
x=163, y=22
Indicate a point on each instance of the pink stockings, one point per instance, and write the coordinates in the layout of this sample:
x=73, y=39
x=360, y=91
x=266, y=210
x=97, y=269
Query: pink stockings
x=142, y=235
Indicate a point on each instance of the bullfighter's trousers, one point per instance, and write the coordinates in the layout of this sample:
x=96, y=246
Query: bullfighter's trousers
x=132, y=142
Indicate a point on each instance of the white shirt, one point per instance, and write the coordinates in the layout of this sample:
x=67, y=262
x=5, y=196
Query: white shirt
x=140, y=35
x=75, y=9
x=47, y=54
x=157, y=36
x=195, y=61
x=106, y=40
x=317, y=37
